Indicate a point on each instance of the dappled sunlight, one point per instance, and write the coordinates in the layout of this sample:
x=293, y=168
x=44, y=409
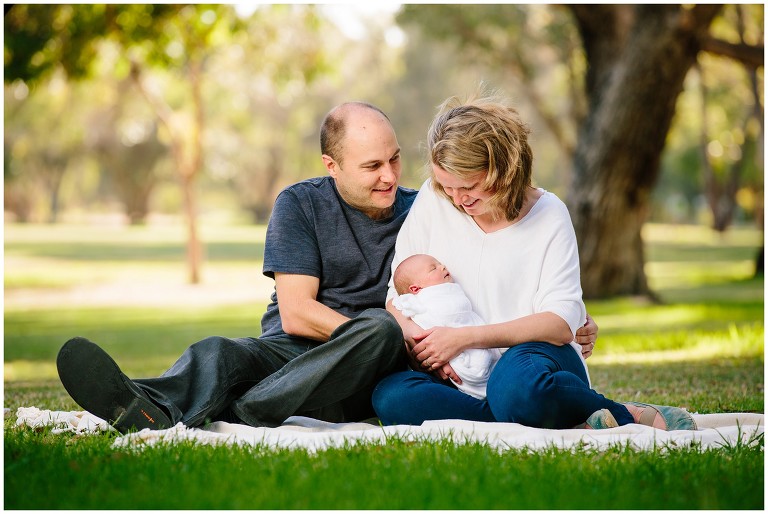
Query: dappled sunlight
x=19, y=370
x=622, y=317
x=652, y=318
x=698, y=235
x=108, y=265
x=744, y=341
x=23, y=370
x=132, y=283
x=699, y=352
x=666, y=275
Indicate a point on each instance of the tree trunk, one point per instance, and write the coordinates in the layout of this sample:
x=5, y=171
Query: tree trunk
x=638, y=58
x=187, y=149
x=194, y=247
x=191, y=170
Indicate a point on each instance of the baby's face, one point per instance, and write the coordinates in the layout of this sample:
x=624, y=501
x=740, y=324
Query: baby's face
x=431, y=272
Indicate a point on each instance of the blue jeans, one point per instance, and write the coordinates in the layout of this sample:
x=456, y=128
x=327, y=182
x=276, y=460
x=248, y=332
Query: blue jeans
x=535, y=384
x=263, y=381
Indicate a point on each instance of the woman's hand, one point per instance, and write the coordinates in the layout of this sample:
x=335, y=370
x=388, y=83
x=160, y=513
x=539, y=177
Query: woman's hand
x=438, y=346
x=445, y=372
x=586, y=336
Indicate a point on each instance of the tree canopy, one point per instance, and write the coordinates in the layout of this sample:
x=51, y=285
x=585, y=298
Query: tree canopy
x=639, y=111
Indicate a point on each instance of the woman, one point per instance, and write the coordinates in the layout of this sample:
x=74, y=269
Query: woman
x=513, y=249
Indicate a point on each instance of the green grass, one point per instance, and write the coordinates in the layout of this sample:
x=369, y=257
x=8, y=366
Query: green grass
x=703, y=349
x=400, y=475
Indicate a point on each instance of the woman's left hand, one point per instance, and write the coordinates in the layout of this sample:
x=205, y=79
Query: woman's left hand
x=438, y=347
x=586, y=336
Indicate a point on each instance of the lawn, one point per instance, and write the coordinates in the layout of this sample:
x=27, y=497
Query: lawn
x=123, y=287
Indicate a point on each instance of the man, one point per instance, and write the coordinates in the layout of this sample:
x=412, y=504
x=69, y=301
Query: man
x=326, y=338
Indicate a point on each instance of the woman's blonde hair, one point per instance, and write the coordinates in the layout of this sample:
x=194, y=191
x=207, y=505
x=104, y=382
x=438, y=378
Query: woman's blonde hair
x=483, y=135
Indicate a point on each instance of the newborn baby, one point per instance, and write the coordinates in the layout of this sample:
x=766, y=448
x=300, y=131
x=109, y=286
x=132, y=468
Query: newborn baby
x=429, y=296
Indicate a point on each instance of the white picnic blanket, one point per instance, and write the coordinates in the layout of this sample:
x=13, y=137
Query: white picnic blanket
x=715, y=430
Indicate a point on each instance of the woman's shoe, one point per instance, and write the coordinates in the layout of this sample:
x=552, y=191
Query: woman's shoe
x=675, y=418
x=599, y=420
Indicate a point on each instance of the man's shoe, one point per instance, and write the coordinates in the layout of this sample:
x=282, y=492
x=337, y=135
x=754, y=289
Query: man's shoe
x=96, y=383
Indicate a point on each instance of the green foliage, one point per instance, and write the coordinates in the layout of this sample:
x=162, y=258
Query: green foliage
x=41, y=38
x=272, y=73
x=534, y=47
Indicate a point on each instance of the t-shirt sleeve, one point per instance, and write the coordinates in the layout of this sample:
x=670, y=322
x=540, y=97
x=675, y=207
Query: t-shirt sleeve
x=291, y=244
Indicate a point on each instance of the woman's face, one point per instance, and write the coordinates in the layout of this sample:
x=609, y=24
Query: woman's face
x=467, y=193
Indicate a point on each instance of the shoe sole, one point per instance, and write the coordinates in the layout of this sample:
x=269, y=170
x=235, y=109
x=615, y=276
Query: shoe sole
x=96, y=383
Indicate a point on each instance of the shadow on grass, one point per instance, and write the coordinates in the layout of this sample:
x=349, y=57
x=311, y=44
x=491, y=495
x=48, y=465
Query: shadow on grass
x=152, y=252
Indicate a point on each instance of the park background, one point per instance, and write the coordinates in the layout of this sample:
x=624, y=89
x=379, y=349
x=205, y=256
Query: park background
x=144, y=146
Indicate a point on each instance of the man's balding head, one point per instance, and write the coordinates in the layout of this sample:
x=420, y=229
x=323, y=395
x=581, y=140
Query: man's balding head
x=333, y=128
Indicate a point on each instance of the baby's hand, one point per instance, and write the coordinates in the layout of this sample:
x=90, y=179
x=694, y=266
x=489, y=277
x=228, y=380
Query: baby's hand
x=446, y=372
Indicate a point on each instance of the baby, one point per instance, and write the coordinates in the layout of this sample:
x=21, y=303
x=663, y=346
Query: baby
x=429, y=296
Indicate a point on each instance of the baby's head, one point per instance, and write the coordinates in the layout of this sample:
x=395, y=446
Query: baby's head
x=420, y=271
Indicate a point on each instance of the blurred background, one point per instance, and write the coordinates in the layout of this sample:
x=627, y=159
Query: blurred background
x=173, y=116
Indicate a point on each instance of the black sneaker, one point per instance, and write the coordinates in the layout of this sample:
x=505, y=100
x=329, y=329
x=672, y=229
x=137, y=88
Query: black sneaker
x=96, y=383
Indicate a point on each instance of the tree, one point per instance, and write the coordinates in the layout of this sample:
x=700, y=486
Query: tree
x=42, y=39
x=167, y=51
x=637, y=57
x=731, y=128
x=122, y=133
x=263, y=125
x=42, y=138
x=184, y=42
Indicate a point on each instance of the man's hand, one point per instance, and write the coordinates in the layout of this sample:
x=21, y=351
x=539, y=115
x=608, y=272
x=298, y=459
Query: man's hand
x=586, y=336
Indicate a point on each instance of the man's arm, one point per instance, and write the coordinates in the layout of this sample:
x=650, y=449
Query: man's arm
x=301, y=314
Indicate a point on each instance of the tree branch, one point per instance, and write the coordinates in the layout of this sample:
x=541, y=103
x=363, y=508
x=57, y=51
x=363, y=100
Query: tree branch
x=749, y=55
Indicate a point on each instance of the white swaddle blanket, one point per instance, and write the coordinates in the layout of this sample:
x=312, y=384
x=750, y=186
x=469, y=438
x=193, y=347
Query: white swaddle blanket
x=446, y=305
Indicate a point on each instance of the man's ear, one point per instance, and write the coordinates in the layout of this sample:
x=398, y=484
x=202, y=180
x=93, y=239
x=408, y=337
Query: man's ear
x=330, y=165
x=414, y=288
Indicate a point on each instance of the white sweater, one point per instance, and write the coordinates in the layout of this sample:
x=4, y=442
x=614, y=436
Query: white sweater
x=446, y=305
x=526, y=268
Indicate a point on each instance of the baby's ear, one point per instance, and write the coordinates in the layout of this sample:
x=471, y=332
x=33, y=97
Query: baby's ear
x=414, y=288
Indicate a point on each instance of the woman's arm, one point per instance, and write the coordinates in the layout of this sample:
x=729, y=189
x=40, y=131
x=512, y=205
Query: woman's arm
x=442, y=344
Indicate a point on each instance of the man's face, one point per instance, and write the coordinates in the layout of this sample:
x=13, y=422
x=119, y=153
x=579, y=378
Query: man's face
x=369, y=171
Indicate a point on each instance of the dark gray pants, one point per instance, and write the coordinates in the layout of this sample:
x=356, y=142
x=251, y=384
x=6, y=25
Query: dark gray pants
x=263, y=381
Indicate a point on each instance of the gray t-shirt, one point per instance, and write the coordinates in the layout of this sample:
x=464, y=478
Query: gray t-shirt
x=312, y=231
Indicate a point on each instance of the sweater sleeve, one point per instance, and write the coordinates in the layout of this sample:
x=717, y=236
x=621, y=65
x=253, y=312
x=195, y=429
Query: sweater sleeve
x=560, y=287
